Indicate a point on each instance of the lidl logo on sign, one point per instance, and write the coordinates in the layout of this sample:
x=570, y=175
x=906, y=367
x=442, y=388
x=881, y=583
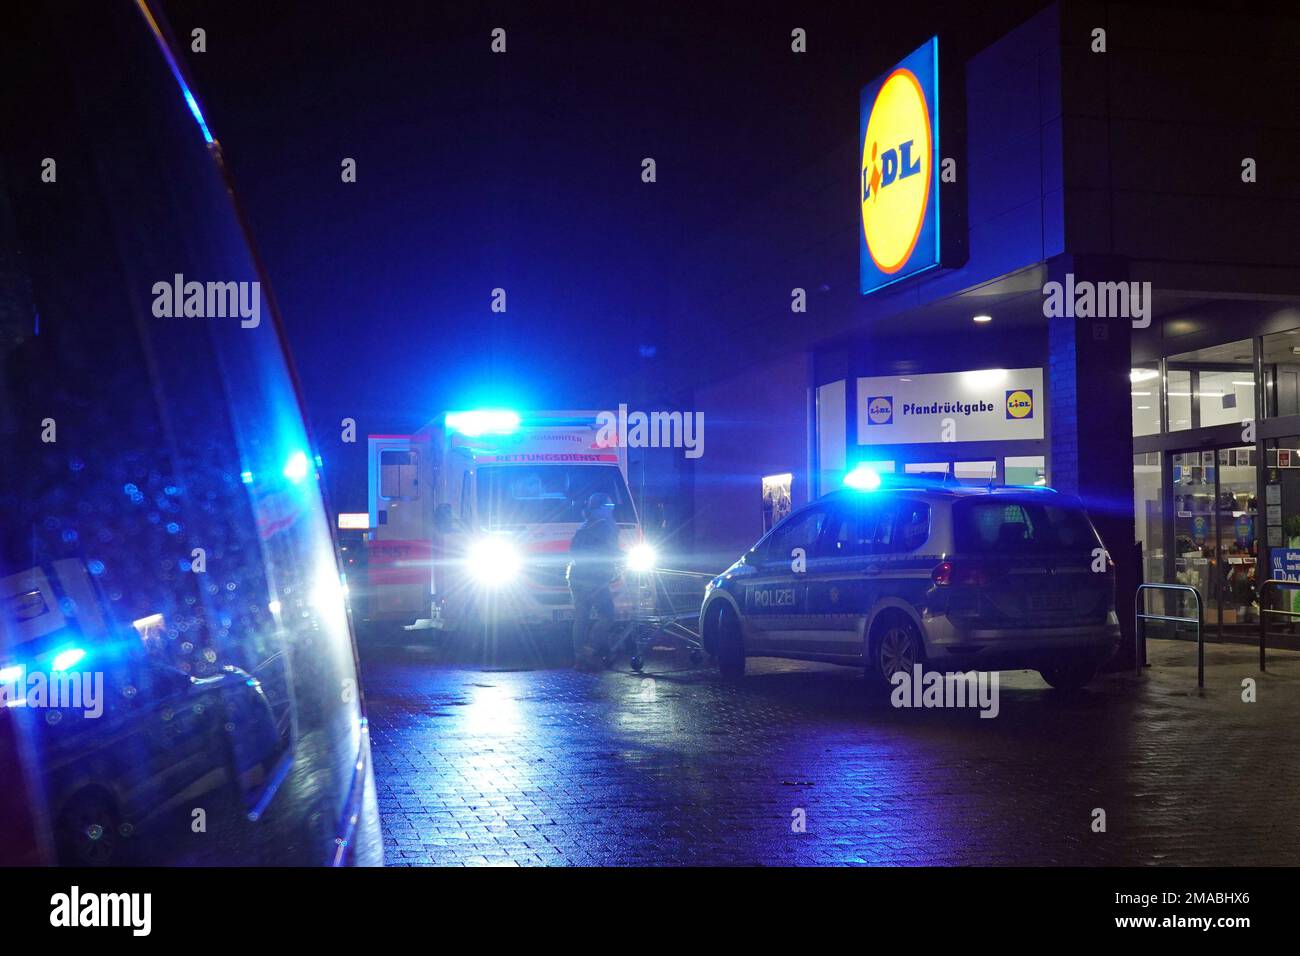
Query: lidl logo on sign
x=898, y=126
x=1020, y=403
x=880, y=410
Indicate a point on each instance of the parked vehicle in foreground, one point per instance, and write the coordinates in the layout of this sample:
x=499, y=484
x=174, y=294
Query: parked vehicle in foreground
x=905, y=573
x=178, y=677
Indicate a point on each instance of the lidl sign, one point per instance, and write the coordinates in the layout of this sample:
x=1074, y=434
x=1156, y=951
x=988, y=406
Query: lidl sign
x=898, y=187
x=992, y=404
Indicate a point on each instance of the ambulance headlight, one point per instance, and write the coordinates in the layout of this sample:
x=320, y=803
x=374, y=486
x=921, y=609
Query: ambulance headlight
x=641, y=558
x=493, y=562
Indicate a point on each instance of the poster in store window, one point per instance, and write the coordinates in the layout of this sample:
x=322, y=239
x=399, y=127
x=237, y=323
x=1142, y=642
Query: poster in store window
x=1200, y=529
x=1244, y=530
x=1285, y=563
x=776, y=499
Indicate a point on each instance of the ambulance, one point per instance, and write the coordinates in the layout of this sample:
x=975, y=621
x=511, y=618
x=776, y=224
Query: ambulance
x=472, y=515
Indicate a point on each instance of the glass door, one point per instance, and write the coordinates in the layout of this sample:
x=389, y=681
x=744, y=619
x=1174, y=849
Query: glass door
x=1215, y=519
x=1237, y=522
x=1195, y=535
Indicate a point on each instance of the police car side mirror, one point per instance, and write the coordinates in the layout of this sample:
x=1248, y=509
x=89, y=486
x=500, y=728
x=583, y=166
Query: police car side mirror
x=752, y=558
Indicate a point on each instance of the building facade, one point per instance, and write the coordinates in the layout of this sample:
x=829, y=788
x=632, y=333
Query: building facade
x=1115, y=309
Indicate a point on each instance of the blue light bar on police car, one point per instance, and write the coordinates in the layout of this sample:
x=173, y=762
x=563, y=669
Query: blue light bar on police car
x=862, y=478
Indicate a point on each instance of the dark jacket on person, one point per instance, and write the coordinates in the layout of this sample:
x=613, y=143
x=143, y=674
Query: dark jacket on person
x=594, y=553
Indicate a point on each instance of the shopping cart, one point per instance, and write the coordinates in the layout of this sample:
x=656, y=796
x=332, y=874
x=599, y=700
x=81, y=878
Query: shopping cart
x=668, y=608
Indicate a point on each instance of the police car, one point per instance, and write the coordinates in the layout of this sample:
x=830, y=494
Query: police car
x=887, y=575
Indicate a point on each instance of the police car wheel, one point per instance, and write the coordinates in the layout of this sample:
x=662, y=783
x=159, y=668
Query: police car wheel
x=897, y=648
x=730, y=645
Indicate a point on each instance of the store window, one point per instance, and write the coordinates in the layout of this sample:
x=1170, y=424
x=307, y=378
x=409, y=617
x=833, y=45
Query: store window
x=776, y=499
x=1148, y=511
x=926, y=468
x=1024, y=470
x=831, y=434
x=1281, y=359
x=1145, y=391
x=1215, y=520
x=975, y=472
x=1211, y=386
x=1282, y=527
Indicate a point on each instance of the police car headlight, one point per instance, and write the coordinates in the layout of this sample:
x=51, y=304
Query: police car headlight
x=493, y=562
x=642, y=557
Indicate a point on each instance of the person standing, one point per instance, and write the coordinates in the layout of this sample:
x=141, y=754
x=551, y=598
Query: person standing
x=593, y=566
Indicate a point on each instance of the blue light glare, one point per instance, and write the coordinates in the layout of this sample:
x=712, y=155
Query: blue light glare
x=483, y=422
x=66, y=659
x=862, y=478
x=246, y=477
x=194, y=108
x=166, y=49
x=296, y=468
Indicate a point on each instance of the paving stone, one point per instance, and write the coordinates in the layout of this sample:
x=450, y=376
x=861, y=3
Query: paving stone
x=476, y=766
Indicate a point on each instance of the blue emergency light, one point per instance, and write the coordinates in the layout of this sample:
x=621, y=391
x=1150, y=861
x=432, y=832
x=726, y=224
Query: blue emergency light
x=862, y=478
x=296, y=468
x=67, y=659
x=483, y=422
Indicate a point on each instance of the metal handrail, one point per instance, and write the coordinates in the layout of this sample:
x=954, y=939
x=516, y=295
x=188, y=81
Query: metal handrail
x=1139, y=631
x=1263, y=621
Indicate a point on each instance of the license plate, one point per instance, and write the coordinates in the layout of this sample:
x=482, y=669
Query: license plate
x=1050, y=602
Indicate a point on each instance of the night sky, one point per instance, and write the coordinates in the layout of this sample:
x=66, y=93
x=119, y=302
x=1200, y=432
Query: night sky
x=519, y=171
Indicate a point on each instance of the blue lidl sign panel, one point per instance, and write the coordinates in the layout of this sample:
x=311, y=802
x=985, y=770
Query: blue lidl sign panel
x=898, y=130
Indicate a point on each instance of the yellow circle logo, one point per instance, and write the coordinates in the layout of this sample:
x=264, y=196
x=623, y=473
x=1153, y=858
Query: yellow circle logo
x=1020, y=404
x=897, y=160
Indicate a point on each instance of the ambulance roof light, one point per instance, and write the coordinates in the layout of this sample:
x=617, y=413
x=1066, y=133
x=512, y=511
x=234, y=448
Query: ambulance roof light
x=483, y=422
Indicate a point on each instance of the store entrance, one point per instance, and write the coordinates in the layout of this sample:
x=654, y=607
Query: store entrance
x=1215, y=518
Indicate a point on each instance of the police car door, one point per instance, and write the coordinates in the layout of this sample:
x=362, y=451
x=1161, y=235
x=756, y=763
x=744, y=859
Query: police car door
x=840, y=584
x=773, y=598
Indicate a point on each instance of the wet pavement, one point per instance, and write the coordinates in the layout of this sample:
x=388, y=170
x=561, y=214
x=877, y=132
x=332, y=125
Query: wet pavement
x=526, y=762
